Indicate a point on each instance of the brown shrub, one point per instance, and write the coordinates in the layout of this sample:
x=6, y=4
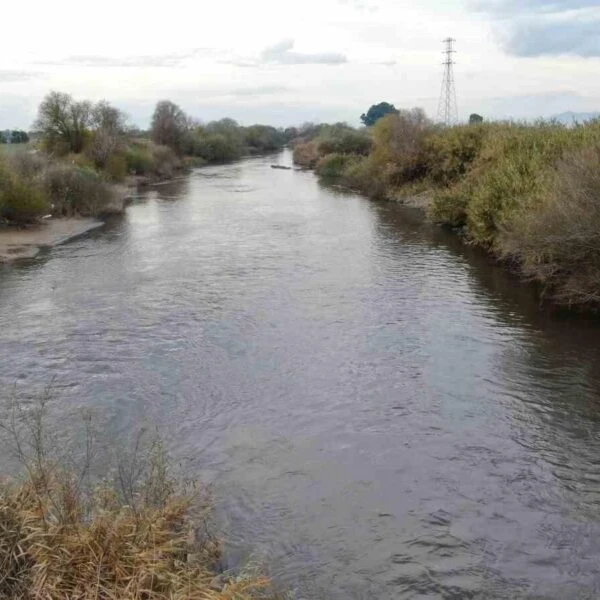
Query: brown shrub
x=558, y=242
x=307, y=154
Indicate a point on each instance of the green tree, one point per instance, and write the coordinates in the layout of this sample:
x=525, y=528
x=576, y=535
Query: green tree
x=376, y=112
x=170, y=126
x=19, y=136
x=475, y=118
x=64, y=122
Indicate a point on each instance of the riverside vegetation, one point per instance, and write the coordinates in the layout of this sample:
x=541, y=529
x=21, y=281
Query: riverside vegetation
x=138, y=533
x=529, y=194
x=83, y=151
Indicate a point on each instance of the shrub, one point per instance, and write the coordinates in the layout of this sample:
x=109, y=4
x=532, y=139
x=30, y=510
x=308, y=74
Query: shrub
x=334, y=166
x=27, y=164
x=148, y=158
x=449, y=153
x=216, y=146
x=558, y=241
x=142, y=535
x=116, y=167
x=365, y=176
x=398, y=141
x=342, y=139
x=306, y=154
x=449, y=207
x=20, y=201
x=138, y=159
x=76, y=191
x=262, y=138
x=165, y=162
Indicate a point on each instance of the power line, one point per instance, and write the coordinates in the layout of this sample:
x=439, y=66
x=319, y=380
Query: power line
x=448, y=108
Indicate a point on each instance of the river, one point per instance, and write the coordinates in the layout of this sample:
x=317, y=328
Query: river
x=383, y=412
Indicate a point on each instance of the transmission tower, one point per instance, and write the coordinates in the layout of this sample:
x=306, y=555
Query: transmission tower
x=447, y=108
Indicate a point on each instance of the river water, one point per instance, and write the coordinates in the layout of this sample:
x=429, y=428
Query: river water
x=383, y=412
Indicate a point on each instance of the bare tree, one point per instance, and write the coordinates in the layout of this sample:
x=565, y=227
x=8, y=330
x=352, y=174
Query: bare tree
x=110, y=125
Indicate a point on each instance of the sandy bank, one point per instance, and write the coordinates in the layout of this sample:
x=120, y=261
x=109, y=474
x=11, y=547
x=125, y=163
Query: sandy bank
x=27, y=243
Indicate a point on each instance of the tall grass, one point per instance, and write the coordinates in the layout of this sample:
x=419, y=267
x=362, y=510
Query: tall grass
x=527, y=193
x=138, y=534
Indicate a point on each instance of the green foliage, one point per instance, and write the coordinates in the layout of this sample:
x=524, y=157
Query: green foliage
x=216, y=147
x=449, y=152
x=376, y=112
x=20, y=202
x=116, y=167
x=449, y=207
x=557, y=242
x=262, y=138
x=138, y=159
x=64, y=123
x=152, y=160
x=343, y=139
x=333, y=166
x=170, y=126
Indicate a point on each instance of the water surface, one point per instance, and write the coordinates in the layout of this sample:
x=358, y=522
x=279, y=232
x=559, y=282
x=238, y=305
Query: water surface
x=384, y=412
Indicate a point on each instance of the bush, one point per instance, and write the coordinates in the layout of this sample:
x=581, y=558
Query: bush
x=341, y=139
x=449, y=153
x=262, y=138
x=306, y=154
x=20, y=201
x=142, y=534
x=116, y=167
x=76, y=191
x=333, y=166
x=216, y=147
x=165, y=163
x=27, y=164
x=364, y=176
x=558, y=241
x=449, y=207
x=138, y=159
x=148, y=158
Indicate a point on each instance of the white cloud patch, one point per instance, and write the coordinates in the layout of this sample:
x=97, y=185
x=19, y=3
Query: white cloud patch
x=282, y=54
x=10, y=75
x=174, y=59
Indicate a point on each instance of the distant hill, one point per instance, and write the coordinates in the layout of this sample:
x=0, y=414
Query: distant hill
x=569, y=118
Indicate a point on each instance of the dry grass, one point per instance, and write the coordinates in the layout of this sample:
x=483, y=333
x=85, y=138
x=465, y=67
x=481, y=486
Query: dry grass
x=141, y=535
x=558, y=242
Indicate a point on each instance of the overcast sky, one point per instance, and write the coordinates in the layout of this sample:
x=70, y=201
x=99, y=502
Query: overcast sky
x=283, y=63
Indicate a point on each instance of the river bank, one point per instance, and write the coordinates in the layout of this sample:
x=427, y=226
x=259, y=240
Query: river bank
x=378, y=408
x=527, y=194
x=17, y=244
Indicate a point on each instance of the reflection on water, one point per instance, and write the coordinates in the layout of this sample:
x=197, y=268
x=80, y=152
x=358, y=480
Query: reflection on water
x=384, y=412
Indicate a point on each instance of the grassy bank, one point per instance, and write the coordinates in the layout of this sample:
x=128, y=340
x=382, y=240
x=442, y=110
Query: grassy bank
x=529, y=194
x=138, y=533
x=83, y=151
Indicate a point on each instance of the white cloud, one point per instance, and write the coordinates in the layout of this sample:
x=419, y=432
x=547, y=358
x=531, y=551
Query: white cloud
x=225, y=61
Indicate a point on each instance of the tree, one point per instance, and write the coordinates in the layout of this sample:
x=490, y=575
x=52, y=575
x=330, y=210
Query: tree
x=109, y=124
x=19, y=136
x=376, y=112
x=474, y=119
x=63, y=121
x=108, y=118
x=170, y=126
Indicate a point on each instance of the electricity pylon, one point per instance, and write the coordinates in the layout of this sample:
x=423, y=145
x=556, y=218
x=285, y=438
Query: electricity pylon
x=447, y=108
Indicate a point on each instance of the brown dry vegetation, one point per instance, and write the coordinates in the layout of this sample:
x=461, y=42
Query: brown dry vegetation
x=138, y=534
x=530, y=194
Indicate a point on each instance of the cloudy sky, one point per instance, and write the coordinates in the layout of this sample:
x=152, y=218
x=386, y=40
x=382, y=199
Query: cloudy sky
x=282, y=62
